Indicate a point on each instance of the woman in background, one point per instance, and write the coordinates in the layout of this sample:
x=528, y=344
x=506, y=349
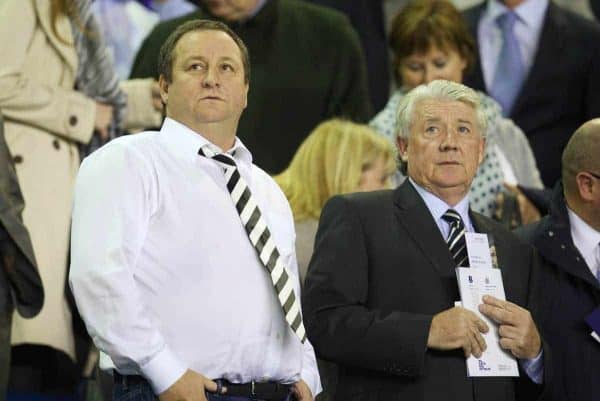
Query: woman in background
x=430, y=40
x=61, y=99
x=338, y=157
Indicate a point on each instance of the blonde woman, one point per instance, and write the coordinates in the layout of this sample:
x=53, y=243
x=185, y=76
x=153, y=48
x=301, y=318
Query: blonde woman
x=337, y=157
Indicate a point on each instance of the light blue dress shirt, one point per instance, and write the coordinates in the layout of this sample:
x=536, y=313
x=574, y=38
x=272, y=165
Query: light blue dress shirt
x=437, y=207
x=527, y=30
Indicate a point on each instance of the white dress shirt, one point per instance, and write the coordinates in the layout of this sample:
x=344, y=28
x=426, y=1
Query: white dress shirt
x=586, y=240
x=163, y=271
x=534, y=368
x=528, y=28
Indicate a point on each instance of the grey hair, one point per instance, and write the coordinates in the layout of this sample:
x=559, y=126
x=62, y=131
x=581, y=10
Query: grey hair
x=438, y=90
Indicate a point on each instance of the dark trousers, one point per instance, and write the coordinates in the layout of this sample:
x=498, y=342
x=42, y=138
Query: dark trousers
x=138, y=389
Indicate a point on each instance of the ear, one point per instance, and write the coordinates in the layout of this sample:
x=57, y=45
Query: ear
x=246, y=95
x=586, y=186
x=164, y=88
x=402, y=144
x=481, y=151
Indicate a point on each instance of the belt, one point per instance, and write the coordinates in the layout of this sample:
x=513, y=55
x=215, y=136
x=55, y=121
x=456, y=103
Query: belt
x=267, y=391
x=263, y=391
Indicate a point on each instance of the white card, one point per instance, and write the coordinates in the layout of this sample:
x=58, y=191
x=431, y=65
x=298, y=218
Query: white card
x=473, y=285
x=478, y=249
x=595, y=336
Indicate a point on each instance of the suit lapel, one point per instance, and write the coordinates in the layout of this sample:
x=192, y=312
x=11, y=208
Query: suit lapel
x=415, y=218
x=63, y=28
x=474, y=78
x=550, y=44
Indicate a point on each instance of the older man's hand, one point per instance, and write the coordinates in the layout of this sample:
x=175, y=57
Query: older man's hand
x=517, y=330
x=458, y=328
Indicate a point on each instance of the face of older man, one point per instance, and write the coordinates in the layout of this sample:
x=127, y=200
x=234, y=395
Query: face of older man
x=444, y=148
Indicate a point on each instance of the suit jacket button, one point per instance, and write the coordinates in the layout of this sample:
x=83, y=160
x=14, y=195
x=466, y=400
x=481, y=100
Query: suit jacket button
x=56, y=144
x=551, y=233
x=18, y=159
x=73, y=121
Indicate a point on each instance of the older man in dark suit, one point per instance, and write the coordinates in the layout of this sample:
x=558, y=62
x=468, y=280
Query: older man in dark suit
x=381, y=286
x=568, y=240
x=20, y=283
x=542, y=64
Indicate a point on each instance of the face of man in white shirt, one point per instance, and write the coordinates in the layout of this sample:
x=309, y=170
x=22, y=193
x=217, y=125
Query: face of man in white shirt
x=231, y=10
x=207, y=85
x=444, y=148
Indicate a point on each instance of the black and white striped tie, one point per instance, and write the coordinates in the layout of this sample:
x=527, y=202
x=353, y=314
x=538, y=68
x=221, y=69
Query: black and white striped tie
x=260, y=237
x=456, y=238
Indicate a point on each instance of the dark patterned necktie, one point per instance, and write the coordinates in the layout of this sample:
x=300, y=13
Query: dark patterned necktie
x=456, y=238
x=260, y=237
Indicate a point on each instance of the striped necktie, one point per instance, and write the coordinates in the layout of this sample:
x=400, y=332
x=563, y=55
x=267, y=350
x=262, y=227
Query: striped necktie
x=260, y=237
x=456, y=238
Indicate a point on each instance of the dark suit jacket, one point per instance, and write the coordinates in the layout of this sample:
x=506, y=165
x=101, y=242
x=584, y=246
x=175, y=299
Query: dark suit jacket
x=19, y=281
x=562, y=90
x=379, y=273
x=571, y=292
x=306, y=66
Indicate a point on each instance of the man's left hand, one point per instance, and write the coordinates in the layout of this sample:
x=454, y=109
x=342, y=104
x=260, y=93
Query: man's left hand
x=517, y=330
x=301, y=391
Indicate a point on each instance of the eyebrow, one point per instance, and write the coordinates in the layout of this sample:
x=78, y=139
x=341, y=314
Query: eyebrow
x=465, y=121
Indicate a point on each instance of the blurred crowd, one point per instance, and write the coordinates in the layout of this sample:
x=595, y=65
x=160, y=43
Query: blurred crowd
x=327, y=78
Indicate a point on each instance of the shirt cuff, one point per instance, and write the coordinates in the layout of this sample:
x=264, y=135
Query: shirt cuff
x=534, y=367
x=163, y=370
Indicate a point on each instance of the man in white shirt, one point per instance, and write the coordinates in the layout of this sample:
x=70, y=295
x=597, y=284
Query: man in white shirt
x=568, y=240
x=380, y=292
x=162, y=269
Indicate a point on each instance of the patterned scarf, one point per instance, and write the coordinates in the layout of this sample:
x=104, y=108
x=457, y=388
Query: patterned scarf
x=96, y=76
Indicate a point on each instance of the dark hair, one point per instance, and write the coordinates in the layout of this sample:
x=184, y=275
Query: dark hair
x=422, y=24
x=165, y=56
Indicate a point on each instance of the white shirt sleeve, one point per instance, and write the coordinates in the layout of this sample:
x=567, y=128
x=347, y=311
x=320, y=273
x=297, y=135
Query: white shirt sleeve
x=113, y=205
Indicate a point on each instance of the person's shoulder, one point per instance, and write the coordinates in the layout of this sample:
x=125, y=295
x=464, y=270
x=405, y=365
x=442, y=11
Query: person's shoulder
x=575, y=23
x=529, y=232
x=473, y=14
x=365, y=202
x=128, y=147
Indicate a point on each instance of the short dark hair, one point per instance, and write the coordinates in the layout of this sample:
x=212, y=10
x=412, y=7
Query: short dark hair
x=166, y=54
x=422, y=24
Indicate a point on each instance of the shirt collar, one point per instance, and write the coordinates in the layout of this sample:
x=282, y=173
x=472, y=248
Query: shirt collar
x=585, y=237
x=185, y=143
x=531, y=12
x=437, y=207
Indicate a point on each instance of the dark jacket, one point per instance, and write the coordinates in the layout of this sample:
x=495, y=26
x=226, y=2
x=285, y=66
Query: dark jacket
x=379, y=273
x=306, y=66
x=570, y=292
x=562, y=90
x=19, y=280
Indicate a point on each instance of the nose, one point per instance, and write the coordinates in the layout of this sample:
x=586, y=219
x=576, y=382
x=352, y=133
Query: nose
x=430, y=74
x=211, y=78
x=449, y=141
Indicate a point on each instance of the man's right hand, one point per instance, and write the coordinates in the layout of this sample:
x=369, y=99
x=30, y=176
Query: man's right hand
x=190, y=387
x=458, y=328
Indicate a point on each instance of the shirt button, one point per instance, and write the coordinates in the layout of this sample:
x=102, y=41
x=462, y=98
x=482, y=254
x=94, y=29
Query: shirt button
x=73, y=121
x=56, y=144
x=18, y=159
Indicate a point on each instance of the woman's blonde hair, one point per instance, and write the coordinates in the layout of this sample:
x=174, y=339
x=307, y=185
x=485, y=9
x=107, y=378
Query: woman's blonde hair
x=331, y=161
